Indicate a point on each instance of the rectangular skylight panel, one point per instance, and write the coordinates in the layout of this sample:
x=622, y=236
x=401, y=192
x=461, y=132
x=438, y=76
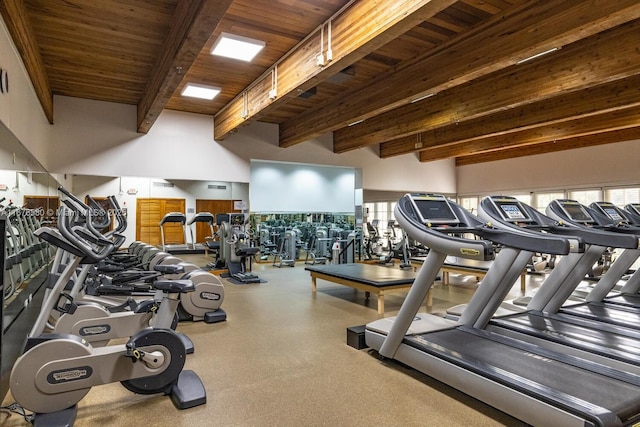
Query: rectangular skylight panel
x=237, y=47
x=200, y=91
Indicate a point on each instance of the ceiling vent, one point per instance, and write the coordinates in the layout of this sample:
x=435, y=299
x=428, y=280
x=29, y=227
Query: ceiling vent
x=309, y=93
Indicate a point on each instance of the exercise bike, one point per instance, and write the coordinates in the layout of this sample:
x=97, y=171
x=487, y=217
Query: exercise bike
x=57, y=370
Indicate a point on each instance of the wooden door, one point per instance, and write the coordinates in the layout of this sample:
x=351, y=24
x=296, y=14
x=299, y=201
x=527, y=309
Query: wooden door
x=149, y=212
x=214, y=207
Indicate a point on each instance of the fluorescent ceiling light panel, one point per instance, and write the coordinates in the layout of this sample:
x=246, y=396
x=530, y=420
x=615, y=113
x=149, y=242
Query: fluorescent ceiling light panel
x=237, y=47
x=537, y=55
x=429, y=95
x=200, y=91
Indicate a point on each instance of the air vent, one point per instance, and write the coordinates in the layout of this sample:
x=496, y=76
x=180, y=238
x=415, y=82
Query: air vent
x=308, y=94
x=216, y=187
x=163, y=184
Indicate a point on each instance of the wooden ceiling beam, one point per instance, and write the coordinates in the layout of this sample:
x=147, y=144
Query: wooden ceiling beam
x=501, y=42
x=191, y=27
x=14, y=14
x=629, y=134
x=575, y=67
x=591, y=125
x=606, y=97
x=357, y=31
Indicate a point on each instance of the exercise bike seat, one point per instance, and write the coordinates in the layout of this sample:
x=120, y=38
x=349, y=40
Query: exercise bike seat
x=174, y=286
x=247, y=251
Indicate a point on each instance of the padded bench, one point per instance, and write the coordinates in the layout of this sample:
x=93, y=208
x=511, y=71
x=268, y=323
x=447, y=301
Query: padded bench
x=369, y=278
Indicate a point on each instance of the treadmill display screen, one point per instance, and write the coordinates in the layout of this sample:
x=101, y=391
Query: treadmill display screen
x=435, y=210
x=236, y=219
x=576, y=212
x=512, y=212
x=613, y=214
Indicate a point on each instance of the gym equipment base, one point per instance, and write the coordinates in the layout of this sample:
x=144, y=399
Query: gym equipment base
x=64, y=418
x=355, y=337
x=189, y=391
x=216, y=316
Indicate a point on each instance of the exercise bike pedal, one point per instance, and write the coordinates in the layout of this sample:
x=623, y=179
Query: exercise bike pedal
x=188, y=391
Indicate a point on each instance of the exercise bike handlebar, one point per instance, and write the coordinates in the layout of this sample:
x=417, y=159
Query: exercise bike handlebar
x=105, y=247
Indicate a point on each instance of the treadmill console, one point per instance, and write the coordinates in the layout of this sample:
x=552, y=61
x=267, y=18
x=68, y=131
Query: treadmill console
x=510, y=209
x=433, y=209
x=575, y=211
x=634, y=208
x=236, y=219
x=610, y=210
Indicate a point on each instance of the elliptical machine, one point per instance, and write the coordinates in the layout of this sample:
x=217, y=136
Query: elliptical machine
x=57, y=370
x=236, y=249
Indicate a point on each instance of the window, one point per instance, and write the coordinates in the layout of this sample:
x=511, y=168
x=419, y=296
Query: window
x=586, y=197
x=622, y=196
x=542, y=200
x=524, y=198
x=469, y=203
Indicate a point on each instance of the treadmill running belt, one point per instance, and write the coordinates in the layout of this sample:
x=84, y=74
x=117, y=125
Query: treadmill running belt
x=627, y=300
x=610, y=313
x=608, y=344
x=548, y=380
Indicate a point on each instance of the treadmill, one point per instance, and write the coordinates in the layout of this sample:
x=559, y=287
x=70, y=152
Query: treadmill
x=537, y=385
x=628, y=293
x=544, y=318
x=626, y=312
x=173, y=218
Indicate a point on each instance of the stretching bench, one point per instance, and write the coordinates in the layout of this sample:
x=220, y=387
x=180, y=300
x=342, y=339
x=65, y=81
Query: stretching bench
x=369, y=278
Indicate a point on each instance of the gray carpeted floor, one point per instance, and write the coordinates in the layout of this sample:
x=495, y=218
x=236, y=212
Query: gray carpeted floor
x=281, y=359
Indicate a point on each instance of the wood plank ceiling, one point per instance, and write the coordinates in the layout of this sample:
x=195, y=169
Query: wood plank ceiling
x=440, y=78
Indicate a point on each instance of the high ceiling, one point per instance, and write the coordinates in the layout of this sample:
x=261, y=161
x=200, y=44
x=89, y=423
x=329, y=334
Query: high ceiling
x=441, y=78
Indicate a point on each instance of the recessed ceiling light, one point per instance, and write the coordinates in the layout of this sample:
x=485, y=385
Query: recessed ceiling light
x=237, y=47
x=200, y=91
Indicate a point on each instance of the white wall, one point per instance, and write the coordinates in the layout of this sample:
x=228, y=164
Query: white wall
x=20, y=110
x=402, y=173
x=99, y=138
x=598, y=166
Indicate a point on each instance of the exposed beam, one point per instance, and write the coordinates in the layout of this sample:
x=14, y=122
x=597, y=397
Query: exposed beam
x=192, y=25
x=15, y=17
x=501, y=42
x=359, y=30
x=592, y=125
x=629, y=134
x=578, y=66
x=607, y=97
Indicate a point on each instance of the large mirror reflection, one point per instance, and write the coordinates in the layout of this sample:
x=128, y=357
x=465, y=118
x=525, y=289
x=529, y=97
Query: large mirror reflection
x=28, y=199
